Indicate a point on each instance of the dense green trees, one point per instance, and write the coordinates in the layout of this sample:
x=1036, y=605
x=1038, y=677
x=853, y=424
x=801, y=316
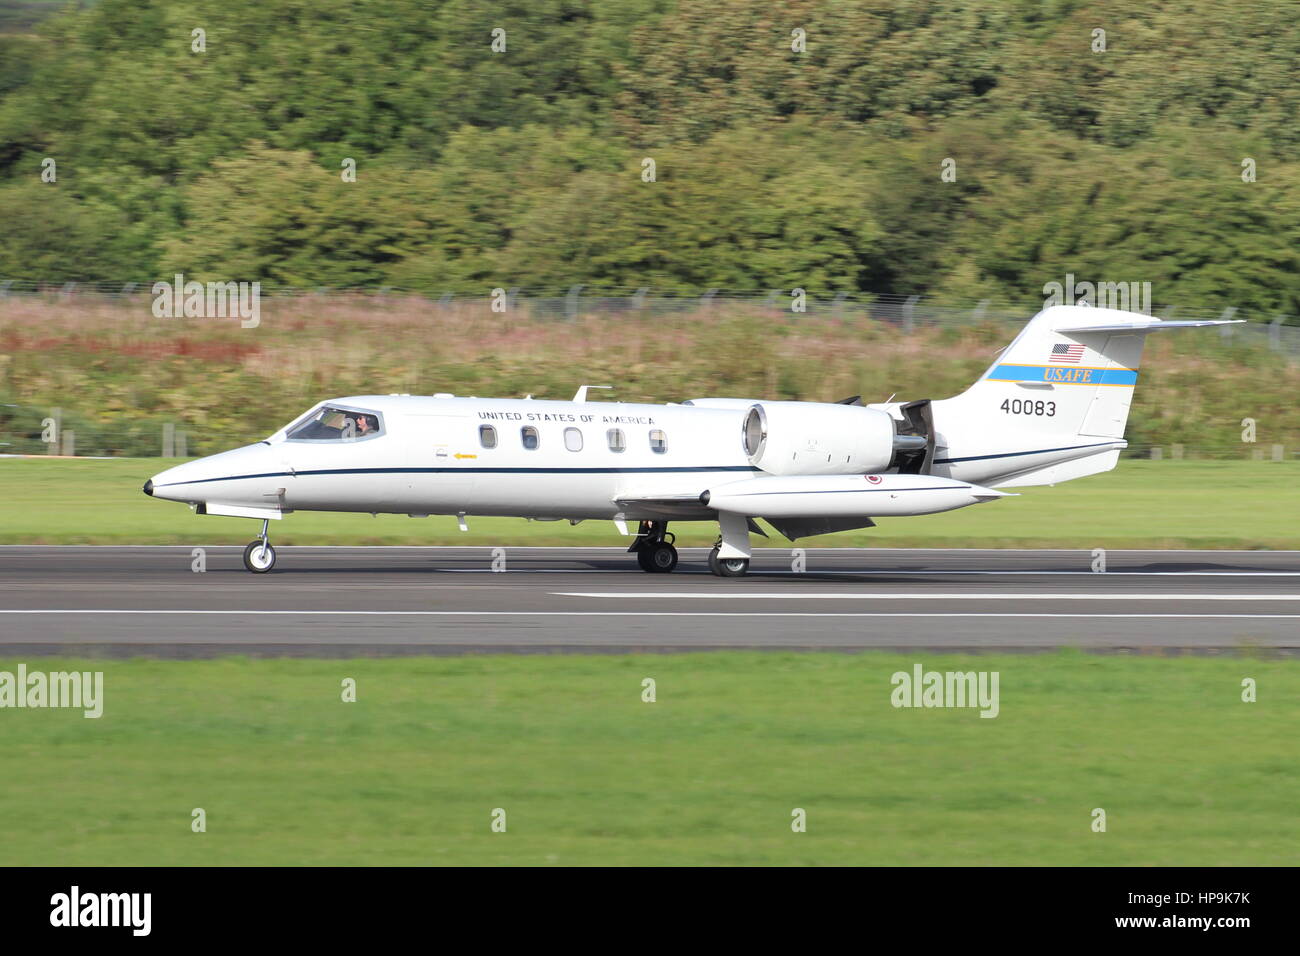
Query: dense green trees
x=774, y=167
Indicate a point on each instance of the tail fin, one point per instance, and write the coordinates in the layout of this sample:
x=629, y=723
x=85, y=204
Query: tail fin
x=1054, y=404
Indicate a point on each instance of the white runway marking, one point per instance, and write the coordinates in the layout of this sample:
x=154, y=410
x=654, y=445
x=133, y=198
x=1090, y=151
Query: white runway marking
x=812, y=572
x=1091, y=574
x=619, y=549
x=924, y=596
x=997, y=614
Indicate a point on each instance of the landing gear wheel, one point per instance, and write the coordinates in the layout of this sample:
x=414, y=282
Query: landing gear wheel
x=259, y=556
x=654, y=547
x=727, y=567
x=657, y=558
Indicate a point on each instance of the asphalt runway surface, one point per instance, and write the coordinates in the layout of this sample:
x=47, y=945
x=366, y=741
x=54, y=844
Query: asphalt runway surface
x=333, y=602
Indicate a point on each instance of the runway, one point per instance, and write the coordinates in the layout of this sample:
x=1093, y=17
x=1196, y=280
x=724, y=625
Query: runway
x=331, y=602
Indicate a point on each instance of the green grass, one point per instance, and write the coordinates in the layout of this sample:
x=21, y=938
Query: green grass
x=709, y=774
x=1183, y=504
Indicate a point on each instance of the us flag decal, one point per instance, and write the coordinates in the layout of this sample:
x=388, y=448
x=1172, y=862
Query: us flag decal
x=1067, y=353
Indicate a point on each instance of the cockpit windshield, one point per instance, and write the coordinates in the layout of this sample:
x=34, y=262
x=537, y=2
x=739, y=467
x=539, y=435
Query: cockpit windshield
x=337, y=424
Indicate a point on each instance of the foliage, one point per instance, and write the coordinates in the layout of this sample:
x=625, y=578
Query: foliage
x=119, y=374
x=774, y=168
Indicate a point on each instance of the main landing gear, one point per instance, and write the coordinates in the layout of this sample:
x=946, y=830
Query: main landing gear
x=727, y=567
x=730, y=556
x=259, y=556
x=654, y=547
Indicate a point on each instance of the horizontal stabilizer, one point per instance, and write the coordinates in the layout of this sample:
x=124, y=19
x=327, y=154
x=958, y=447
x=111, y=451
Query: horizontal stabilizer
x=1155, y=325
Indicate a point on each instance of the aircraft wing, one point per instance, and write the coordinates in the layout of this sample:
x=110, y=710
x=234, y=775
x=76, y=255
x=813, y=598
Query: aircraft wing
x=676, y=506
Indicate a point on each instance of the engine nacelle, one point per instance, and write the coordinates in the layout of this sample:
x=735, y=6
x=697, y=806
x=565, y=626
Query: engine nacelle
x=811, y=438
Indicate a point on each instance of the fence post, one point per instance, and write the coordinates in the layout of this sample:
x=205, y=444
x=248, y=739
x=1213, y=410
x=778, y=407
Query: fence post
x=168, y=440
x=1275, y=332
x=182, y=451
x=837, y=307
x=909, y=321
x=1278, y=453
x=571, y=302
x=1225, y=331
x=70, y=443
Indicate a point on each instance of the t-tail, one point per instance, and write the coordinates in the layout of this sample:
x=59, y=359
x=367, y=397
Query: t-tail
x=1052, y=407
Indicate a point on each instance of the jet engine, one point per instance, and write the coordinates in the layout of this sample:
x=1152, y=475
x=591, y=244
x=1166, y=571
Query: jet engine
x=812, y=438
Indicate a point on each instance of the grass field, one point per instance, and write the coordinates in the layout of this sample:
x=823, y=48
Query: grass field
x=1141, y=504
x=710, y=773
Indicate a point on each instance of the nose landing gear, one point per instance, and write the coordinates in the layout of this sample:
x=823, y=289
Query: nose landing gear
x=654, y=547
x=259, y=556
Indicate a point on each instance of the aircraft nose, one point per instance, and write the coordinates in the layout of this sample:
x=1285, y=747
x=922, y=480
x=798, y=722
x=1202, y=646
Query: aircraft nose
x=148, y=488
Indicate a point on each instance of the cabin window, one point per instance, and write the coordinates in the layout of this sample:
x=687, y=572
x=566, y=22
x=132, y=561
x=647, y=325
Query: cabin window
x=528, y=434
x=617, y=440
x=487, y=436
x=573, y=439
x=337, y=424
x=658, y=441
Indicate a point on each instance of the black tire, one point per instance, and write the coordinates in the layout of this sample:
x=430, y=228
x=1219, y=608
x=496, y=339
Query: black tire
x=263, y=560
x=661, y=558
x=727, y=567
x=658, y=558
x=733, y=567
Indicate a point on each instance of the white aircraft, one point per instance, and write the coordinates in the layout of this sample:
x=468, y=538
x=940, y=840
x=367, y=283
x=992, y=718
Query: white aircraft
x=1050, y=408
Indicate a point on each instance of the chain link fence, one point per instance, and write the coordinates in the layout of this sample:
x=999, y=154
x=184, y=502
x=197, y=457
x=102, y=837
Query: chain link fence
x=1277, y=331
x=36, y=431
